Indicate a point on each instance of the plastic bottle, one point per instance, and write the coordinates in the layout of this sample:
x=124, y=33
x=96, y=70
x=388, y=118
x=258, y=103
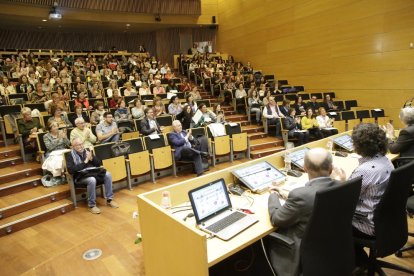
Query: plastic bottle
x=166, y=200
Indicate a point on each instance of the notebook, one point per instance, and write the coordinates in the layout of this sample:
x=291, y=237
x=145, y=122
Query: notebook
x=213, y=211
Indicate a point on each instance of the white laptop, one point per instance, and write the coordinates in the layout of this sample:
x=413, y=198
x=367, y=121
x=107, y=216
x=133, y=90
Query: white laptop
x=213, y=212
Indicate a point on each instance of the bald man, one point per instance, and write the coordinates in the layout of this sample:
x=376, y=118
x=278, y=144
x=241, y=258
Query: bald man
x=292, y=218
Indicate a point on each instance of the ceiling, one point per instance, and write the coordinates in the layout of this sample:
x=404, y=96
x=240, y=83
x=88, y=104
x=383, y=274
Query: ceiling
x=29, y=18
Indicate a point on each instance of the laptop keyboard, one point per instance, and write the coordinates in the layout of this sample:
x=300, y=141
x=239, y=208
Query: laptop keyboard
x=225, y=222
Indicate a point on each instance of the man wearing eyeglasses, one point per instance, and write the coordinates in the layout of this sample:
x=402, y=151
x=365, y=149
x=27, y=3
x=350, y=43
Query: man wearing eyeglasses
x=82, y=160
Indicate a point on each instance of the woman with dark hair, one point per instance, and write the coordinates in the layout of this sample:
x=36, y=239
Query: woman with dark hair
x=174, y=108
x=293, y=123
x=55, y=139
x=58, y=117
x=300, y=106
x=207, y=117
x=172, y=87
x=190, y=101
x=186, y=117
x=375, y=168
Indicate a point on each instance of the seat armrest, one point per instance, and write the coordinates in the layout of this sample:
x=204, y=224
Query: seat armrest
x=282, y=238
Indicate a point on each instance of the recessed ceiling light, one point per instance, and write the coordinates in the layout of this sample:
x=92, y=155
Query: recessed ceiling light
x=44, y=20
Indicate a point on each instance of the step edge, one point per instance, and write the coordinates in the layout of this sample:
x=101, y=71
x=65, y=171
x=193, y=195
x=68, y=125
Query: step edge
x=28, y=201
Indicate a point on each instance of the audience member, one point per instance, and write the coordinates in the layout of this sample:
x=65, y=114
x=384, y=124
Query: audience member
x=82, y=100
x=310, y=124
x=55, y=139
x=28, y=128
x=175, y=108
x=78, y=114
x=188, y=148
x=138, y=109
x=58, y=117
x=404, y=144
x=325, y=123
x=313, y=104
x=254, y=104
x=83, y=132
x=285, y=107
x=272, y=113
x=107, y=130
x=97, y=115
x=292, y=123
x=82, y=159
x=149, y=124
x=206, y=118
x=158, y=107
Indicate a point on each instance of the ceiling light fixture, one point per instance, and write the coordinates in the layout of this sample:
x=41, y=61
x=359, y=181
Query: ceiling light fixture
x=54, y=14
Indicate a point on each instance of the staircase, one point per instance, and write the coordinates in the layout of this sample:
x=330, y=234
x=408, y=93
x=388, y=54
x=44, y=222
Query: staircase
x=261, y=144
x=23, y=199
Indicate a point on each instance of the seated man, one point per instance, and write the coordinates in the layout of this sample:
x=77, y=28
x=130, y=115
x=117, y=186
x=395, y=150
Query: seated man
x=292, y=217
x=28, y=128
x=187, y=147
x=272, y=113
x=82, y=158
x=83, y=132
x=404, y=144
x=107, y=131
x=149, y=124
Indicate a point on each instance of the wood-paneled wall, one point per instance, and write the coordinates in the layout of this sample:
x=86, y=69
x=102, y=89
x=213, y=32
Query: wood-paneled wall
x=359, y=49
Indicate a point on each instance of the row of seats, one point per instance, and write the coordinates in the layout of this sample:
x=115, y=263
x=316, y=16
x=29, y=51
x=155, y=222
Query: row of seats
x=149, y=154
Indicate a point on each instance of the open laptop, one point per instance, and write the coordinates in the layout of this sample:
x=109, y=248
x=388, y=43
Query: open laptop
x=298, y=157
x=259, y=177
x=345, y=142
x=213, y=212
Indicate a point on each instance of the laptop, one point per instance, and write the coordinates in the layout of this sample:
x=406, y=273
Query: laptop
x=345, y=142
x=298, y=158
x=259, y=177
x=213, y=212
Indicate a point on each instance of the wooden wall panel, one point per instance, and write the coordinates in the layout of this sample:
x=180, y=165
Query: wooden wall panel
x=359, y=49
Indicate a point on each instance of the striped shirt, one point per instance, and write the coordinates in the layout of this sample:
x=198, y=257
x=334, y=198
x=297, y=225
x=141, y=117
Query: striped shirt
x=375, y=172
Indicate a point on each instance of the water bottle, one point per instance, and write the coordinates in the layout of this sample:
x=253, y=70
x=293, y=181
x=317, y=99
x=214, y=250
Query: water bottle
x=329, y=145
x=288, y=162
x=166, y=200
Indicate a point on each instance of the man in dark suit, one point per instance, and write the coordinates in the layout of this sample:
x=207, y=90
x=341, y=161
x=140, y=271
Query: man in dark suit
x=292, y=217
x=187, y=147
x=313, y=104
x=149, y=124
x=404, y=145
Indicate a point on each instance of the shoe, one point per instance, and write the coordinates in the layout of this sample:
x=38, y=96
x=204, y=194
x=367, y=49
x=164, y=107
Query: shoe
x=199, y=174
x=94, y=210
x=112, y=204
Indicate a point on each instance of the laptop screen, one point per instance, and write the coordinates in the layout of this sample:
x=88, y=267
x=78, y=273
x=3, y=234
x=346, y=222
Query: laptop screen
x=259, y=175
x=298, y=157
x=209, y=200
x=344, y=141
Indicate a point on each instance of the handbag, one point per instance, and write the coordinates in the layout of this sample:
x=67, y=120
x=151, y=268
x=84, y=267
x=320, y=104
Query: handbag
x=97, y=172
x=120, y=148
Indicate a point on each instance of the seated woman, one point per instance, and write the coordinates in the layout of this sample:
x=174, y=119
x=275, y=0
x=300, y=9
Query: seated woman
x=175, y=108
x=190, y=102
x=113, y=103
x=138, y=109
x=293, y=123
x=158, y=89
x=78, y=114
x=158, y=107
x=221, y=119
x=300, y=106
x=82, y=100
x=186, y=117
x=97, y=114
x=58, y=117
x=96, y=92
x=55, y=139
x=39, y=96
x=195, y=93
x=207, y=117
x=310, y=124
x=113, y=86
x=144, y=90
x=123, y=117
x=254, y=103
x=325, y=123
x=185, y=86
x=172, y=87
x=129, y=90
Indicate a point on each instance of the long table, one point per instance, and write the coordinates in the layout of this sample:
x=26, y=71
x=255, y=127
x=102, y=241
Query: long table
x=173, y=246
